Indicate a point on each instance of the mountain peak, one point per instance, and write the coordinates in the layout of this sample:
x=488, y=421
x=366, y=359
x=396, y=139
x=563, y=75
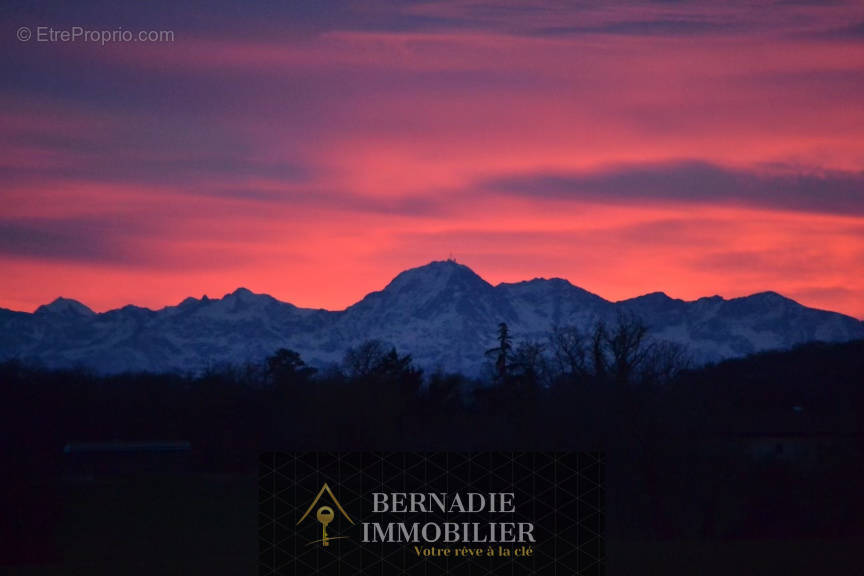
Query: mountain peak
x=430, y=291
x=539, y=281
x=191, y=301
x=241, y=294
x=435, y=276
x=655, y=297
x=769, y=296
x=654, y=301
x=243, y=298
x=442, y=267
x=65, y=307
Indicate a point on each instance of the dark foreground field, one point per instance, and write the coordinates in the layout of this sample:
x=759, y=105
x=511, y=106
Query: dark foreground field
x=749, y=467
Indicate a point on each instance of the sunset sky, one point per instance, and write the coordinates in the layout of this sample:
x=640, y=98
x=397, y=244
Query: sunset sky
x=313, y=149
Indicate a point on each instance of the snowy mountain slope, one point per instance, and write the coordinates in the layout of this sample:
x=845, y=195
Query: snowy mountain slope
x=714, y=328
x=443, y=313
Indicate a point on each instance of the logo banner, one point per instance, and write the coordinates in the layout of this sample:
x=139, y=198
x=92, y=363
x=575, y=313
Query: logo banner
x=456, y=513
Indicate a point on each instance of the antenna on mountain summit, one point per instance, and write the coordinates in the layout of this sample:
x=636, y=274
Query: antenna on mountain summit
x=450, y=258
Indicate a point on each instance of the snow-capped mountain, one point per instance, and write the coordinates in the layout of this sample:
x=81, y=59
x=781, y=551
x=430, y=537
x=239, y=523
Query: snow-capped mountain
x=443, y=313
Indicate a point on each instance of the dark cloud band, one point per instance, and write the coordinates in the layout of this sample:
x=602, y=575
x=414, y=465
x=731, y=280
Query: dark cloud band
x=695, y=182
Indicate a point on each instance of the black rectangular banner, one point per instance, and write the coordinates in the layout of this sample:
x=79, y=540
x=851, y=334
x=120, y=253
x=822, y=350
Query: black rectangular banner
x=496, y=513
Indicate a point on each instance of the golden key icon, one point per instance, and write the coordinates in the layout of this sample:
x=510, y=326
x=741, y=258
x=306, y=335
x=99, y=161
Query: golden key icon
x=325, y=516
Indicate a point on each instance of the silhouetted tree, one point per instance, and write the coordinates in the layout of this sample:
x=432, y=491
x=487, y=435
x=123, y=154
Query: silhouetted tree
x=382, y=394
x=628, y=347
x=362, y=360
x=599, y=362
x=570, y=349
x=286, y=367
x=371, y=362
x=627, y=353
x=501, y=353
x=528, y=366
x=396, y=368
x=664, y=361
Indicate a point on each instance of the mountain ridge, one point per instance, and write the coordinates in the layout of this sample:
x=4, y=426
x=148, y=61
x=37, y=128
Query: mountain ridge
x=443, y=313
x=536, y=279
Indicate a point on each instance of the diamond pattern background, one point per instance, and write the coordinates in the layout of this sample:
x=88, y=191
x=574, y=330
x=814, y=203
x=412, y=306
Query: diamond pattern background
x=561, y=493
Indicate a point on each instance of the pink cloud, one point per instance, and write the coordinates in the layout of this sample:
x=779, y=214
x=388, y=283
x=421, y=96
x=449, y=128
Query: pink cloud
x=288, y=162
